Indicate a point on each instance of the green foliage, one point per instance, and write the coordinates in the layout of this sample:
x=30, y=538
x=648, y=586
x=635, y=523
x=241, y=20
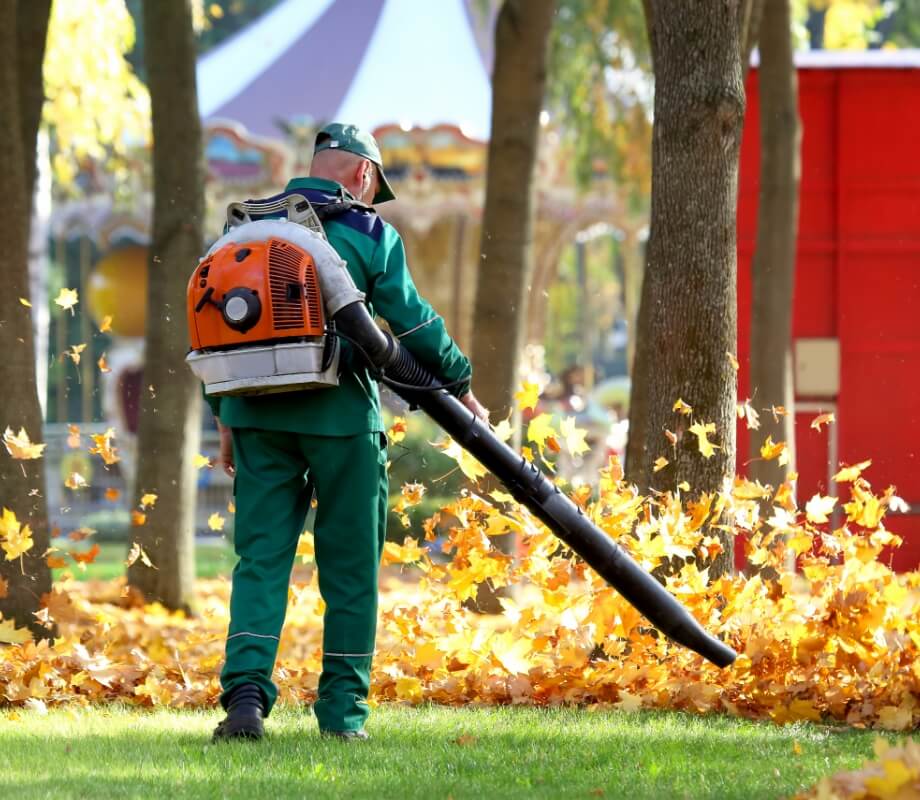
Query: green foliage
x=600, y=88
x=96, y=108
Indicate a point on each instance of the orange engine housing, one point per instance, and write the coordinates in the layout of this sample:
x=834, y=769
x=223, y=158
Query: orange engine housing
x=277, y=293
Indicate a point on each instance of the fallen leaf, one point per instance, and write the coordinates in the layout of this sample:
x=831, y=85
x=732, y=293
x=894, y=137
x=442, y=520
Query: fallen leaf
x=822, y=419
x=527, y=396
x=136, y=552
x=103, y=364
x=707, y=448
x=19, y=446
x=138, y=518
x=574, y=437
x=75, y=481
x=747, y=412
x=86, y=557
x=103, y=447
x=216, y=522
x=15, y=538
x=25, y=302
x=74, y=354
x=10, y=634
x=73, y=436
x=112, y=494
x=660, y=463
x=818, y=508
x=148, y=500
x=850, y=474
x=397, y=431
x=106, y=325
x=202, y=461
x=67, y=299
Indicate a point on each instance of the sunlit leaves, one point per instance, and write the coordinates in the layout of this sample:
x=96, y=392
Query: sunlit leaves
x=469, y=466
x=770, y=450
x=67, y=299
x=527, y=396
x=148, y=500
x=660, y=463
x=216, y=522
x=850, y=474
x=15, y=538
x=702, y=430
x=682, y=408
x=10, y=634
x=20, y=446
x=104, y=447
x=819, y=508
x=74, y=353
x=201, y=461
x=574, y=437
x=747, y=412
x=137, y=552
x=397, y=431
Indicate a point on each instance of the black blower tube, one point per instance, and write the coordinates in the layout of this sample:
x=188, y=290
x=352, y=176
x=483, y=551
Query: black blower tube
x=531, y=488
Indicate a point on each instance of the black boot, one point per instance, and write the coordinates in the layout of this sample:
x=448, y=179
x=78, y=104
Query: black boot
x=245, y=710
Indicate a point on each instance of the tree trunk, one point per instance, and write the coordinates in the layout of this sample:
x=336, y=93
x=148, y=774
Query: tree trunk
x=22, y=483
x=773, y=267
x=688, y=313
x=506, y=264
x=518, y=85
x=170, y=416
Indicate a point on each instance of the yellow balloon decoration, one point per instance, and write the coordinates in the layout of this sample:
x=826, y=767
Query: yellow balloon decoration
x=118, y=288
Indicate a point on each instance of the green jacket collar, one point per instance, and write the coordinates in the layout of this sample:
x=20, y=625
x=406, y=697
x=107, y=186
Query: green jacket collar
x=320, y=184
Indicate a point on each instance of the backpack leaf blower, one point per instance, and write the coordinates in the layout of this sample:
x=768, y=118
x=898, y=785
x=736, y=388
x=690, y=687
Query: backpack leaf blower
x=258, y=324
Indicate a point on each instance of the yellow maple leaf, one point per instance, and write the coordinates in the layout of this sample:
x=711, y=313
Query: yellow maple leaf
x=850, y=474
x=897, y=775
x=67, y=299
x=106, y=325
x=770, y=450
x=700, y=430
x=539, y=429
x=148, y=500
x=19, y=446
x=15, y=538
x=527, y=396
x=74, y=353
x=202, y=461
x=574, y=437
x=409, y=689
x=682, y=408
x=216, y=522
x=818, y=508
x=660, y=463
x=469, y=466
x=10, y=634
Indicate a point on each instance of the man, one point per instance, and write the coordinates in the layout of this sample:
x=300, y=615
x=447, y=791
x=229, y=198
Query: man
x=336, y=435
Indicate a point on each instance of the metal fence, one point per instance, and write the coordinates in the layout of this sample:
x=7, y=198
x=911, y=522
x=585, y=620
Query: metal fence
x=94, y=505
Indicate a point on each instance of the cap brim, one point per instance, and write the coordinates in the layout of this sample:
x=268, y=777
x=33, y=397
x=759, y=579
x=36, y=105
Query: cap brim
x=384, y=190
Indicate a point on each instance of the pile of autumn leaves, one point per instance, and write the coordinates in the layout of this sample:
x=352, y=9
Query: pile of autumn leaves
x=836, y=639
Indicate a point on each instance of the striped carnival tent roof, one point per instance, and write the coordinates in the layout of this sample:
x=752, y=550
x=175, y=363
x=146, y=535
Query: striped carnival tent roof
x=368, y=62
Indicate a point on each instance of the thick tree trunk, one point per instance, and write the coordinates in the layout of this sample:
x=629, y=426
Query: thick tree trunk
x=518, y=85
x=22, y=483
x=688, y=314
x=170, y=417
x=773, y=267
x=505, y=268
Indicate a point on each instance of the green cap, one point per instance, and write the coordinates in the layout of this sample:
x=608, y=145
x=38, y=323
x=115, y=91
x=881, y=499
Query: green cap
x=354, y=140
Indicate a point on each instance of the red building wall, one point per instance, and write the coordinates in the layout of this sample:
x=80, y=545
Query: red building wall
x=857, y=272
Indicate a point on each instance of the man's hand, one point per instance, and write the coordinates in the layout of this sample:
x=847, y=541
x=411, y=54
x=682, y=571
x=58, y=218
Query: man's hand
x=470, y=401
x=226, y=450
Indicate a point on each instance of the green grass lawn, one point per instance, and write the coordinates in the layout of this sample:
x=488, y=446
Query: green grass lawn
x=212, y=558
x=427, y=752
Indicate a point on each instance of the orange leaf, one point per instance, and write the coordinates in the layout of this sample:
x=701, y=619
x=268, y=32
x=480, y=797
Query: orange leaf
x=85, y=558
x=19, y=446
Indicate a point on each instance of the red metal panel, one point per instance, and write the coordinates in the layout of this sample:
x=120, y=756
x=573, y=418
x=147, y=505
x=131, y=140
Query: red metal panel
x=857, y=271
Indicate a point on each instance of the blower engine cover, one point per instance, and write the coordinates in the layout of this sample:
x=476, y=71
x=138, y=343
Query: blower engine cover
x=255, y=314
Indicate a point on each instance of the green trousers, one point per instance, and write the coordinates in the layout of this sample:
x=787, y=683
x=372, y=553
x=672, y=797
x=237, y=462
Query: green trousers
x=349, y=475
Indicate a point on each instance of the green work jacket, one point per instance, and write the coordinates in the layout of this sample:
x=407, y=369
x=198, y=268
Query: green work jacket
x=376, y=259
